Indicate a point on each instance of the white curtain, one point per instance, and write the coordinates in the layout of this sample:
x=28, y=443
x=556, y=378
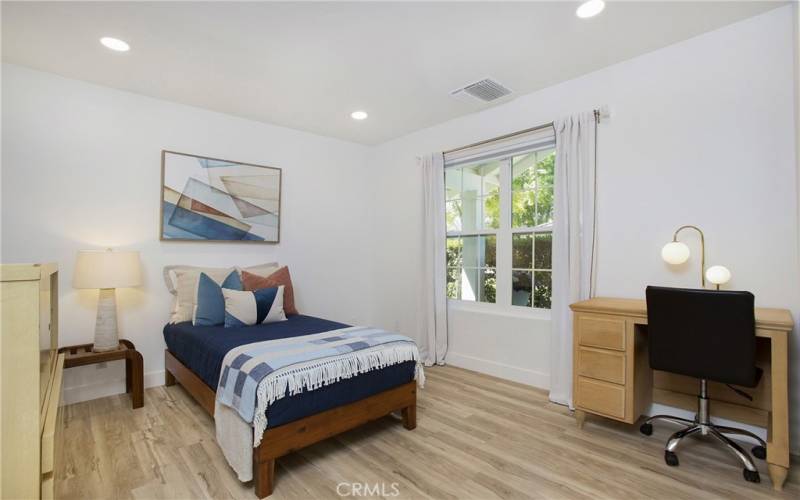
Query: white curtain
x=433, y=294
x=573, y=241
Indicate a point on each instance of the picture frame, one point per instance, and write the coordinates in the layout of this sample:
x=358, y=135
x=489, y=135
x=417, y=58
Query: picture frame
x=216, y=200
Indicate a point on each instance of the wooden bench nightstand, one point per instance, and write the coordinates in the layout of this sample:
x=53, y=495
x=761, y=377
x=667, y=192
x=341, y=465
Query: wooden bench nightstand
x=80, y=355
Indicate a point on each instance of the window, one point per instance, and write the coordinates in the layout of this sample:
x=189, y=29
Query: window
x=499, y=215
x=473, y=216
x=532, y=222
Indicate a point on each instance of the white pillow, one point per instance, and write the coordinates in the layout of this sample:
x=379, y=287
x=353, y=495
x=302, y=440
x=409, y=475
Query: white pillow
x=251, y=308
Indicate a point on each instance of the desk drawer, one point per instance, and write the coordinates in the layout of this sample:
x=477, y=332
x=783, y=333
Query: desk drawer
x=600, y=397
x=601, y=364
x=599, y=331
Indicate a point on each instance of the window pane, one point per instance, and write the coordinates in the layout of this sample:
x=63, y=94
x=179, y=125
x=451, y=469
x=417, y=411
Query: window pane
x=523, y=172
x=453, y=275
x=522, y=251
x=491, y=211
x=479, y=251
x=543, y=254
x=471, y=211
x=453, y=215
x=452, y=182
x=523, y=209
x=454, y=252
x=471, y=251
x=544, y=177
x=488, y=285
x=472, y=181
x=543, y=289
x=490, y=173
x=521, y=288
x=470, y=287
x=489, y=257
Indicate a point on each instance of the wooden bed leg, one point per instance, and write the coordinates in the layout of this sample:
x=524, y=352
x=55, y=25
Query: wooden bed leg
x=128, y=374
x=263, y=476
x=410, y=417
x=169, y=378
x=137, y=372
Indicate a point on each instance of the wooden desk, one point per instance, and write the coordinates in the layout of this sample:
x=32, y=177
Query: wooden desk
x=612, y=376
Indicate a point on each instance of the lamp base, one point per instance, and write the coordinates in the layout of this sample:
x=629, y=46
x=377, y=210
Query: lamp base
x=106, y=337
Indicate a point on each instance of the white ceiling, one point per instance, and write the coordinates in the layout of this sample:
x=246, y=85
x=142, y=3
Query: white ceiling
x=308, y=65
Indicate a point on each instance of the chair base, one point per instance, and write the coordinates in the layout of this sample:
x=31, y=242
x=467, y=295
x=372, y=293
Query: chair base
x=703, y=426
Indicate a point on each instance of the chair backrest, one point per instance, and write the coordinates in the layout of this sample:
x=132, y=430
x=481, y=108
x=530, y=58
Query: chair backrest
x=708, y=334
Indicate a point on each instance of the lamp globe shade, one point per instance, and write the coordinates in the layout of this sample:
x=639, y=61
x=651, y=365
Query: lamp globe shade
x=719, y=275
x=675, y=253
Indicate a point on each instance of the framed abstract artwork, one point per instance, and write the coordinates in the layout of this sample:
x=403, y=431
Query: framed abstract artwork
x=207, y=199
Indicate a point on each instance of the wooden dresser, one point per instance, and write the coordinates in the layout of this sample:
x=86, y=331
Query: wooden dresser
x=30, y=379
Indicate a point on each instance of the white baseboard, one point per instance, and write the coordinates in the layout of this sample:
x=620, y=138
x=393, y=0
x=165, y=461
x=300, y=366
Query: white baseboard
x=107, y=387
x=500, y=370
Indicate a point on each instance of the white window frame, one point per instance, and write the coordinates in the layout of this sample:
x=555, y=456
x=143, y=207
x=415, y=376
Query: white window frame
x=503, y=238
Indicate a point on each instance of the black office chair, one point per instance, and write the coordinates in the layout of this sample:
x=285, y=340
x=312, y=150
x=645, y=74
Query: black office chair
x=710, y=335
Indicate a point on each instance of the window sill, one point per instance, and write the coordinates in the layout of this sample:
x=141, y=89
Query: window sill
x=507, y=311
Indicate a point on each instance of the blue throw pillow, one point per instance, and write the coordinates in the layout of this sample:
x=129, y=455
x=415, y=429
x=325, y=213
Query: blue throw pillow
x=210, y=304
x=252, y=308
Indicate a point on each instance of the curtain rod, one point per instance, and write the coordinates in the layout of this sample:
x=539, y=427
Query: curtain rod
x=597, y=114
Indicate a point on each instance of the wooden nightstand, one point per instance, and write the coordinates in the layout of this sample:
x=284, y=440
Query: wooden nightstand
x=80, y=355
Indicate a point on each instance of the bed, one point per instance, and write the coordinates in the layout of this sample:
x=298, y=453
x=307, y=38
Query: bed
x=194, y=358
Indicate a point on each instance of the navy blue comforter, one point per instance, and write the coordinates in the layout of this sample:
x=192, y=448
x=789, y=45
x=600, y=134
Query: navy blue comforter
x=202, y=349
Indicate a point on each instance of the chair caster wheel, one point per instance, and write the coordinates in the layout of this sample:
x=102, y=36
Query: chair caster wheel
x=751, y=475
x=672, y=459
x=646, y=429
x=759, y=452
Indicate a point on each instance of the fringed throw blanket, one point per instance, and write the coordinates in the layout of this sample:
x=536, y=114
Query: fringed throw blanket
x=256, y=375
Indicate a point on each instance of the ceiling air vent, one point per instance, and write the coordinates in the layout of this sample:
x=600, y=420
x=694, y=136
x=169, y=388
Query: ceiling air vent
x=487, y=90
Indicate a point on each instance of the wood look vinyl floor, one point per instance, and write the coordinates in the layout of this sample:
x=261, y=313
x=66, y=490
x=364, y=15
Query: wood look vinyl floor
x=477, y=437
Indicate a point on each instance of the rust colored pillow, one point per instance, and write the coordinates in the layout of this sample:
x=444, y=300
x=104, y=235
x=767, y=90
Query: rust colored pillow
x=280, y=277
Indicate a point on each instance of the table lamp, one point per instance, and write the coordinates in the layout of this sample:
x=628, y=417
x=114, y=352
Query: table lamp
x=676, y=252
x=106, y=270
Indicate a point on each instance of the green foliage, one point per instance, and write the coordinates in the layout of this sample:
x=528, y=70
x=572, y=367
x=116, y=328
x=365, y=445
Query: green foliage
x=454, y=263
x=532, y=190
x=489, y=286
x=543, y=289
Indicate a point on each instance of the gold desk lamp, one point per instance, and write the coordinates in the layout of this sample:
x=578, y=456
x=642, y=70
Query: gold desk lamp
x=676, y=252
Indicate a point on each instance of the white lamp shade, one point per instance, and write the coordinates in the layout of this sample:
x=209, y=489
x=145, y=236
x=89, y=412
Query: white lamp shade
x=106, y=269
x=719, y=275
x=675, y=253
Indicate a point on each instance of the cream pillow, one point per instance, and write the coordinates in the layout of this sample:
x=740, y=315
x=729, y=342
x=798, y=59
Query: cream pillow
x=186, y=286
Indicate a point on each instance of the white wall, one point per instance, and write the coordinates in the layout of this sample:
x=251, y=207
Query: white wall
x=81, y=169
x=701, y=132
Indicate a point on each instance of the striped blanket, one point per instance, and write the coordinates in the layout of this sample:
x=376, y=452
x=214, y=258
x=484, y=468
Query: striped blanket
x=256, y=375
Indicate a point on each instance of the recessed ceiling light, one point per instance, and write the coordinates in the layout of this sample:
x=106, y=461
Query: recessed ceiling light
x=590, y=8
x=115, y=44
x=359, y=115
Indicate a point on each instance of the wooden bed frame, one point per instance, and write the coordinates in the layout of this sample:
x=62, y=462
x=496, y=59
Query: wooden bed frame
x=284, y=439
